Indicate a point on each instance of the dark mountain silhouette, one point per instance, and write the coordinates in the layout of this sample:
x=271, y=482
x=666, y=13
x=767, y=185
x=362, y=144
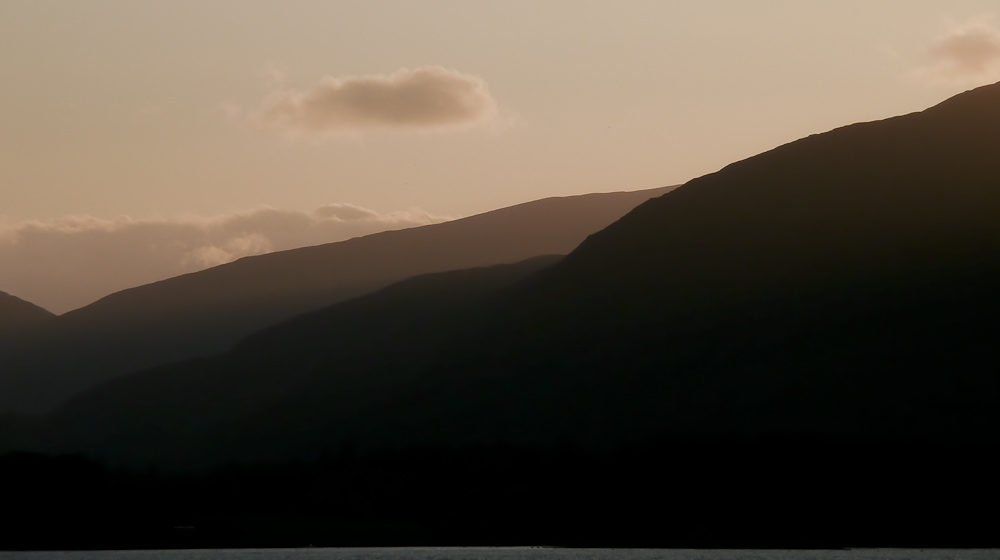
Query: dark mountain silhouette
x=698, y=374
x=375, y=340
x=206, y=312
x=841, y=286
x=16, y=314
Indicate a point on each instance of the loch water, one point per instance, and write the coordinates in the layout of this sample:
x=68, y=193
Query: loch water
x=527, y=553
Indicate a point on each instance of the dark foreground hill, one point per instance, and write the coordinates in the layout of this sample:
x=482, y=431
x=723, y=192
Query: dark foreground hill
x=206, y=312
x=841, y=286
x=17, y=314
x=676, y=494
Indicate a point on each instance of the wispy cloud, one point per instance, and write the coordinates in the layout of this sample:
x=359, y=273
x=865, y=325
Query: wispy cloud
x=967, y=53
x=427, y=98
x=68, y=263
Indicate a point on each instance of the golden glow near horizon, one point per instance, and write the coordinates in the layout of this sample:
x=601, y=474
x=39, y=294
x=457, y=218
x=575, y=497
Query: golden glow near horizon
x=120, y=114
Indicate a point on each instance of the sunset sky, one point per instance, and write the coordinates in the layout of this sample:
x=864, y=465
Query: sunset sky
x=142, y=139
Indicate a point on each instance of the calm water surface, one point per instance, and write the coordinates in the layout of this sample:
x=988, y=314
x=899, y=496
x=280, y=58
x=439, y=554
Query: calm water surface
x=508, y=554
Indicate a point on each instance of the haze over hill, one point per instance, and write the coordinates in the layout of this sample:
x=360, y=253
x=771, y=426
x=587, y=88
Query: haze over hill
x=841, y=286
x=65, y=264
x=207, y=311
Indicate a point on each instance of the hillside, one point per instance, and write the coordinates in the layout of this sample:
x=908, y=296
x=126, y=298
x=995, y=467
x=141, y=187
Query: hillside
x=206, y=312
x=15, y=314
x=841, y=286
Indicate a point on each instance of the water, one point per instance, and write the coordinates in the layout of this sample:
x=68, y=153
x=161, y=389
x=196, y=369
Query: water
x=508, y=554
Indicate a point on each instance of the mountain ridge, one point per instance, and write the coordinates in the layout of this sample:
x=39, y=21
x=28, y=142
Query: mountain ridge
x=16, y=314
x=852, y=299
x=206, y=312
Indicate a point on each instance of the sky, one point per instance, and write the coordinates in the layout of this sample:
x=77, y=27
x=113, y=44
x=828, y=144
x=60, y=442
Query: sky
x=143, y=139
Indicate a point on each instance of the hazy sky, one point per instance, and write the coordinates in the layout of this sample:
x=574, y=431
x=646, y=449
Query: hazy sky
x=124, y=115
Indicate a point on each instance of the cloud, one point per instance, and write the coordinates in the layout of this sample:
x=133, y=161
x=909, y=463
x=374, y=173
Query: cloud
x=70, y=262
x=427, y=98
x=967, y=53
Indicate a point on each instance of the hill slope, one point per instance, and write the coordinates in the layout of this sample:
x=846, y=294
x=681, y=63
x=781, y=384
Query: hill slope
x=369, y=344
x=206, y=312
x=841, y=286
x=15, y=313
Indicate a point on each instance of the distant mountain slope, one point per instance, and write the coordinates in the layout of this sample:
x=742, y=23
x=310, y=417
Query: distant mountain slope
x=374, y=339
x=206, y=312
x=15, y=313
x=842, y=286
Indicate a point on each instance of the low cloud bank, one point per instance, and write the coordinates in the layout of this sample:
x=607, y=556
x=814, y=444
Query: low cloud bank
x=425, y=98
x=68, y=263
x=967, y=53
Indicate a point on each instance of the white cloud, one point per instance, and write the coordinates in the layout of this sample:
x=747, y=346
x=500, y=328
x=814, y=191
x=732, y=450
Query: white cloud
x=427, y=98
x=967, y=53
x=230, y=250
x=67, y=263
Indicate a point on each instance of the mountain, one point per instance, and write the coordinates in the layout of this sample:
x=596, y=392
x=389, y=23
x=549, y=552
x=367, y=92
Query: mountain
x=841, y=286
x=208, y=311
x=375, y=339
x=16, y=314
